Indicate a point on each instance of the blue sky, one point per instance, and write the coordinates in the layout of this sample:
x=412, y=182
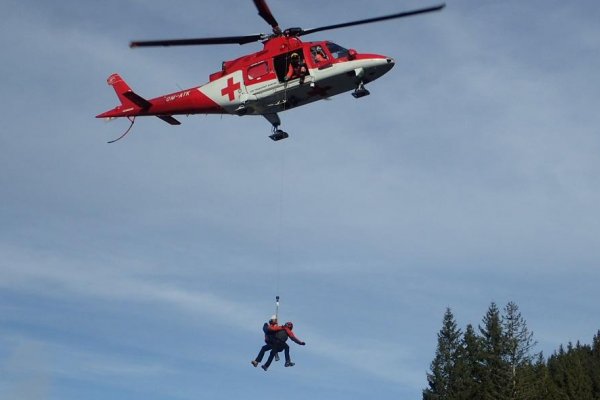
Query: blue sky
x=145, y=269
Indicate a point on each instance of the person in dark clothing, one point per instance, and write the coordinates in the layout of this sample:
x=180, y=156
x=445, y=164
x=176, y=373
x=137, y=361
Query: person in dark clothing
x=296, y=69
x=279, y=344
x=269, y=329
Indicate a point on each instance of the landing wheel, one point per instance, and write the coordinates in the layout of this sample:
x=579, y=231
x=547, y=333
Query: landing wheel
x=278, y=134
x=360, y=91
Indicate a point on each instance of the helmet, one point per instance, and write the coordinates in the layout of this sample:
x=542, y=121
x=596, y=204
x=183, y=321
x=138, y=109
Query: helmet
x=273, y=318
x=289, y=325
x=295, y=55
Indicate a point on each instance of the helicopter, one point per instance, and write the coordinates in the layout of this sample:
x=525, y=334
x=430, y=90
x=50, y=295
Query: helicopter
x=285, y=74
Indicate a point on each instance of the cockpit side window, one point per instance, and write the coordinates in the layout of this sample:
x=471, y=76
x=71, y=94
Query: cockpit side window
x=257, y=71
x=318, y=54
x=336, y=50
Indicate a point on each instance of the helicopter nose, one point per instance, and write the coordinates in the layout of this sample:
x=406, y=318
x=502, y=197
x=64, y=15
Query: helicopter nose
x=386, y=63
x=381, y=66
x=376, y=66
x=390, y=63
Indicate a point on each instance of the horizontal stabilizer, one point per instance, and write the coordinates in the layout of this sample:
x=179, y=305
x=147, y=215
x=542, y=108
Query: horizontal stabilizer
x=137, y=99
x=169, y=119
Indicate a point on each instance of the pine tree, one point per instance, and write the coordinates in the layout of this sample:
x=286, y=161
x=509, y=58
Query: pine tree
x=571, y=372
x=469, y=366
x=496, y=380
x=544, y=387
x=595, y=366
x=558, y=372
x=579, y=382
x=441, y=379
x=518, y=343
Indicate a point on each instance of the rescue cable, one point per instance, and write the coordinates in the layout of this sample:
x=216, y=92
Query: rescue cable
x=279, y=229
x=279, y=234
x=132, y=120
x=277, y=317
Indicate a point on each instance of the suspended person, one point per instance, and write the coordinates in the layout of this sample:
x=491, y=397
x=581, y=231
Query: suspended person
x=297, y=69
x=279, y=344
x=269, y=329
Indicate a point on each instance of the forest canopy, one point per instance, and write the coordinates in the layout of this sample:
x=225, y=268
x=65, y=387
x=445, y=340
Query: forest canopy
x=497, y=361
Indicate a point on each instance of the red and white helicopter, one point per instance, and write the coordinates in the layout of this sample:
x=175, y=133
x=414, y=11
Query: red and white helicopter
x=286, y=73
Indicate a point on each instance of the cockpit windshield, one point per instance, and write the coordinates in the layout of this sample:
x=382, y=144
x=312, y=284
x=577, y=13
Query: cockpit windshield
x=336, y=50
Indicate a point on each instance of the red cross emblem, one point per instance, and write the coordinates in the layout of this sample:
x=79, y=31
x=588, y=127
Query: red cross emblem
x=230, y=89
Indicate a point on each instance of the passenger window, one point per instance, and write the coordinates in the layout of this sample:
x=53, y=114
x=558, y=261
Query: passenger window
x=257, y=70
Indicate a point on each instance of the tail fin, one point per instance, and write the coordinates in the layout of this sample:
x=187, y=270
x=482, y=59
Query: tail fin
x=127, y=96
x=131, y=102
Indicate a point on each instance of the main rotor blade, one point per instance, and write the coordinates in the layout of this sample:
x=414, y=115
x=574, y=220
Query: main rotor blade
x=376, y=19
x=265, y=12
x=199, y=41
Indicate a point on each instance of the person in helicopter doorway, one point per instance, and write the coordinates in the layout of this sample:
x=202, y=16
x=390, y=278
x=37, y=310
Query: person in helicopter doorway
x=297, y=69
x=279, y=344
x=269, y=329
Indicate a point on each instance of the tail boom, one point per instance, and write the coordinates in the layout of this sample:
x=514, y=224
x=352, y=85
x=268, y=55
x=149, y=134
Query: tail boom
x=185, y=102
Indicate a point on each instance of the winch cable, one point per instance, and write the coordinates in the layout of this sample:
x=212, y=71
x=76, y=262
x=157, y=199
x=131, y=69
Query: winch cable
x=279, y=228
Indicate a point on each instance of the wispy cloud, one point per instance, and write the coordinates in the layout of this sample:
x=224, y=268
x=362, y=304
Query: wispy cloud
x=50, y=276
